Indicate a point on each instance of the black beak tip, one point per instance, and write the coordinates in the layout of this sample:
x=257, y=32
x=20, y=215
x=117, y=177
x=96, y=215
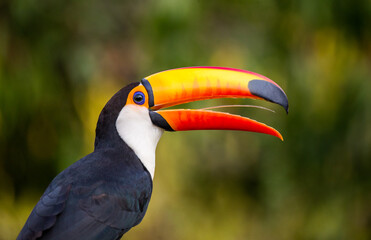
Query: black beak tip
x=269, y=92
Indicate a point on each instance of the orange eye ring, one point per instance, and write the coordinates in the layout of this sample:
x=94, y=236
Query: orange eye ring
x=138, y=96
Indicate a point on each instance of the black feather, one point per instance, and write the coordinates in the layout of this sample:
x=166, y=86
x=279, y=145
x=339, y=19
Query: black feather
x=101, y=196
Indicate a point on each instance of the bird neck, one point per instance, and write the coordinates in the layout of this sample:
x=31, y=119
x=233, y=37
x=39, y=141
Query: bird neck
x=135, y=127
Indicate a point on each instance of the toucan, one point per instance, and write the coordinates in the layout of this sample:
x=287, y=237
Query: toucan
x=106, y=193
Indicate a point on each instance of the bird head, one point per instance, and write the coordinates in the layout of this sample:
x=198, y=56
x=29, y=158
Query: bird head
x=142, y=118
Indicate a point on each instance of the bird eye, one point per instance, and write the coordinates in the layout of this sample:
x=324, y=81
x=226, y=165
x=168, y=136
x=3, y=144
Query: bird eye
x=139, y=98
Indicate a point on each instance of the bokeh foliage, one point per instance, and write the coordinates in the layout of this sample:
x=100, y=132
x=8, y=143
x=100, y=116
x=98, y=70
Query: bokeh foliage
x=60, y=61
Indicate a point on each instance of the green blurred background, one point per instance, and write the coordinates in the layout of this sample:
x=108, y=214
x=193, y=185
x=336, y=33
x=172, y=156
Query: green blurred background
x=61, y=61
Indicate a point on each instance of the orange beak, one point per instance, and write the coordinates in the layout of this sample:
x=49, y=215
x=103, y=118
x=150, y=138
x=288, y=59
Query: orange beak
x=182, y=85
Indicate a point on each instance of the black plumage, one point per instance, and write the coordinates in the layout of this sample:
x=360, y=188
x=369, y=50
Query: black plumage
x=102, y=195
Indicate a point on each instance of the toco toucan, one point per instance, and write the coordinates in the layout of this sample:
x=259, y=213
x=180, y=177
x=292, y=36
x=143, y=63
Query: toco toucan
x=107, y=192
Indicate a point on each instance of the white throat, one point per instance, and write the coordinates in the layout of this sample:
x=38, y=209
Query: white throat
x=135, y=127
